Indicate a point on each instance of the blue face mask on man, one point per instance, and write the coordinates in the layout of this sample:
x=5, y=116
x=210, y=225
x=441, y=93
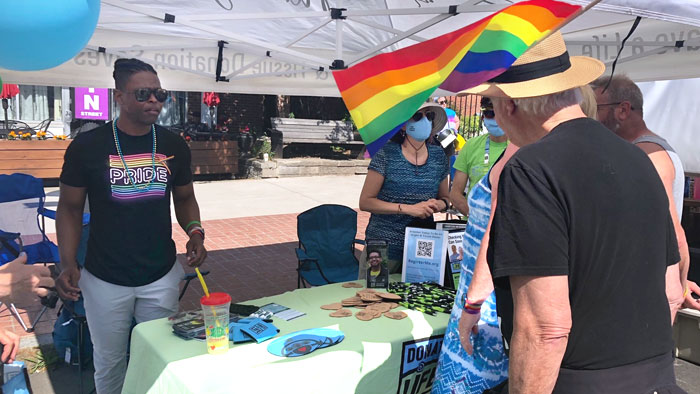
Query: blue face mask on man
x=493, y=128
x=420, y=130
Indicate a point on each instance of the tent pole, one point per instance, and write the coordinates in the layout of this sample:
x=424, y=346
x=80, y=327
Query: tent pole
x=387, y=29
x=368, y=52
x=339, y=39
x=226, y=35
x=287, y=44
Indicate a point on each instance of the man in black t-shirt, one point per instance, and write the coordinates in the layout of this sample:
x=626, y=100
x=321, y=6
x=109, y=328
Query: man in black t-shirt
x=580, y=239
x=128, y=168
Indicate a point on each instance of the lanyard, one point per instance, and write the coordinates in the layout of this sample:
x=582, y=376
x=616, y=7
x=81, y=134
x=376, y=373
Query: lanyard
x=486, y=151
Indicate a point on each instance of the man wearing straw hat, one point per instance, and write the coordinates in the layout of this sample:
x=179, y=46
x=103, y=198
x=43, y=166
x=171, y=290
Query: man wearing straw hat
x=568, y=246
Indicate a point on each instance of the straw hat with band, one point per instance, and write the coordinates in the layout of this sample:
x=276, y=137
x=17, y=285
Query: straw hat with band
x=545, y=68
x=440, y=116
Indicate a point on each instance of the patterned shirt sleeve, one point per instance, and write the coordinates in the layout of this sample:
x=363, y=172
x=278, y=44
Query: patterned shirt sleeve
x=378, y=162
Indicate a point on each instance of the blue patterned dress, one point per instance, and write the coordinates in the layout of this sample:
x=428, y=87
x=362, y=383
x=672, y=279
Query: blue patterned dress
x=458, y=372
x=404, y=183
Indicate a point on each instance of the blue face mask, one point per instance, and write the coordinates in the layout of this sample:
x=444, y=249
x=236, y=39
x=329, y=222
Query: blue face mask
x=419, y=131
x=493, y=128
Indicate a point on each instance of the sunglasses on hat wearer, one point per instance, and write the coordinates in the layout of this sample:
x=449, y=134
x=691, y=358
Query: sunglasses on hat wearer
x=419, y=115
x=144, y=94
x=488, y=113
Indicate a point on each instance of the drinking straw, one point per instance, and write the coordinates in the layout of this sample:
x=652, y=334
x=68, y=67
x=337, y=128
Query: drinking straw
x=201, y=280
x=206, y=290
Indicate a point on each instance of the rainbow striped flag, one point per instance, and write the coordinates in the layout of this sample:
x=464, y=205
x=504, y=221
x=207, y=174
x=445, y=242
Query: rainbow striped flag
x=383, y=91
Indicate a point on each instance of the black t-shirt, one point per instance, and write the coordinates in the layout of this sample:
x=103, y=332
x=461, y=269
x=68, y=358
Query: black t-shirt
x=130, y=240
x=583, y=202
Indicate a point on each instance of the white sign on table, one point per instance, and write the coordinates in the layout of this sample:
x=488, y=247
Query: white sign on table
x=424, y=254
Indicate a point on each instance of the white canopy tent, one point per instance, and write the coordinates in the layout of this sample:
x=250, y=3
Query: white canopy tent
x=289, y=46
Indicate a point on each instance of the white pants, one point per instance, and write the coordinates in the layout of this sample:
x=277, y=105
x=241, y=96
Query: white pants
x=110, y=310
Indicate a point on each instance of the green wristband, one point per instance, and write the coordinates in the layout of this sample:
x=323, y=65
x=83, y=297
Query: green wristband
x=187, y=228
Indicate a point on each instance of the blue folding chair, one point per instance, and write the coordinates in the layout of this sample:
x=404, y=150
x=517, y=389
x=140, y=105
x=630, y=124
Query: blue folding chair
x=22, y=225
x=326, y=251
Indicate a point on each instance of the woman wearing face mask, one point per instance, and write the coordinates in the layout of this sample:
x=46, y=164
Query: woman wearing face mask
x=406, y=182
x=476, y=157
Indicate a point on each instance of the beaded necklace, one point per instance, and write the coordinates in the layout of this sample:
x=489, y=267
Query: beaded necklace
x=121, y=156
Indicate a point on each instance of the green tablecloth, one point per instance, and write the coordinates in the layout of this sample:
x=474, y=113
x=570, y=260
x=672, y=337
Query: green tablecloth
x=379, y=356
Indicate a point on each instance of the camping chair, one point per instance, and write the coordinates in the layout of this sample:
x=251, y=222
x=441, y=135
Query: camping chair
x=326, y=251
x=22, y=216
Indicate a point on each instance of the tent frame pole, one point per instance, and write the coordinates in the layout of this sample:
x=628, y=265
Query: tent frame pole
x=223, y=34
x=287, y=44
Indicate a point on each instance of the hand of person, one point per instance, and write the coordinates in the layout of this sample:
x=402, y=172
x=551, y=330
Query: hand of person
x=689, y=301
x=436, y=205
x=196, y=253
x=21, y=284
x=10, y=346
x=423, y=209
x=468, y=326
x=67, y=284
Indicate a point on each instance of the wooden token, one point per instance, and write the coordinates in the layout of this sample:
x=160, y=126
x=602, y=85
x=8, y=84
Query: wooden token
x=364, y=315
x=396, y=315
x=368, y=297
x=393, y=305
x=352, y=285
x=361, y=306
x=389, y=296
x=332, y=307
x=375, y=313
x=380, y=306
x=341, y=313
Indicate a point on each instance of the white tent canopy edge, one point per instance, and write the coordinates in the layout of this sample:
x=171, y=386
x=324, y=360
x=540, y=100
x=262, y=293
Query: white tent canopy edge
x=288, y=47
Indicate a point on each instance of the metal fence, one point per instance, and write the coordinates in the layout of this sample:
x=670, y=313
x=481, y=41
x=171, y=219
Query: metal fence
x=468, y=111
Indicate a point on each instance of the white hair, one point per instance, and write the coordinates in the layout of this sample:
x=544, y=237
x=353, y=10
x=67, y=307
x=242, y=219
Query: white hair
x=545, y=106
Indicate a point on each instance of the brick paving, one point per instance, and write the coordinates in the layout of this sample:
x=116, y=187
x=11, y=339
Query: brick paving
x=249, y=257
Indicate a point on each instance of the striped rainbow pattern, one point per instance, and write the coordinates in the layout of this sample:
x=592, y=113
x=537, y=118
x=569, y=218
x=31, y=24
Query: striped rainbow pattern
x=142, y=165
x=383, y=91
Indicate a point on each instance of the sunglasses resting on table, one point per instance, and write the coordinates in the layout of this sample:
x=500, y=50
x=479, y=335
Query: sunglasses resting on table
x=144, y=94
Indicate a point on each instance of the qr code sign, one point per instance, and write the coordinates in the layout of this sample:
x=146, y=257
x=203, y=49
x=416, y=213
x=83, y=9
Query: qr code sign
x=424, y=248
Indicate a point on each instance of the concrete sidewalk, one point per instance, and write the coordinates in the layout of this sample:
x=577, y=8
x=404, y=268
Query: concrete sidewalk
x=261, y=197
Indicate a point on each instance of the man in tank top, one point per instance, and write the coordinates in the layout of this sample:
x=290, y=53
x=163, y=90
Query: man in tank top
x=620, y=109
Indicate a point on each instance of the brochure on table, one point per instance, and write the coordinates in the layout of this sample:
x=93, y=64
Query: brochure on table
x=455, y=255
x=424, y=255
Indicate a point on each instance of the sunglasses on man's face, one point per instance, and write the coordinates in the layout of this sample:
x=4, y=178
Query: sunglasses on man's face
x=144, y=94
x=442, y=102
x=488, y=113
x=419, y=115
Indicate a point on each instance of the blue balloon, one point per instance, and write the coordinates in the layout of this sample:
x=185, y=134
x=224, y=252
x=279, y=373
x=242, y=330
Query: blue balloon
x=41, y=34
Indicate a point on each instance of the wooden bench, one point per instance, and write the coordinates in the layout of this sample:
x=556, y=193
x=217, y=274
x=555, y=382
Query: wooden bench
x=44, y=159
x=312, y=131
